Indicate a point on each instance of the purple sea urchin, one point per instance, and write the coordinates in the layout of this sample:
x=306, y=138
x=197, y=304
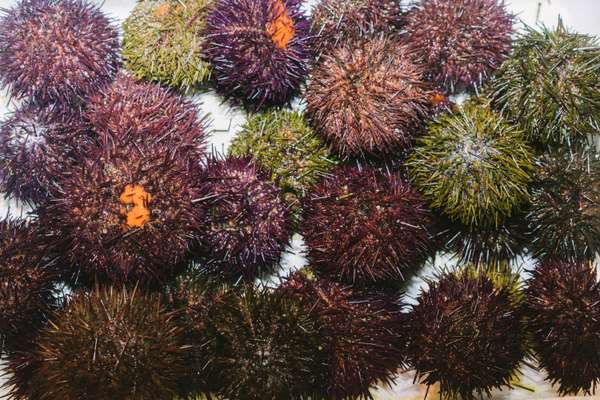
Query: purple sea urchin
x=335, y=21
x=564, y=319
x=111, y=344
x=362, y=335
x=460, y=41
x=35, y=145
x=363, y=225
x=247, y=223
x=56, y=50
x=467, y=333
x=367, y=97
x=259, y=49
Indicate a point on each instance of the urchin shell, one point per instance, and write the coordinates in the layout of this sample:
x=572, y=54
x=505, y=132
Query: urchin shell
x=246, y=224
x=367, y=97
x=125, y=211
x=361, y=225
x=363, y=335
x=36, y=144
x=111, y=344
x=564, y=218
x=460, y=41
x=564, y=320
x=283, y=144
x=334, y=22
x=163, y=42
x=473, y=166
x=259, y=49
x=468, y=334
x=549, y=85
x=269, y=347
x=28, y=273
x=56, y=50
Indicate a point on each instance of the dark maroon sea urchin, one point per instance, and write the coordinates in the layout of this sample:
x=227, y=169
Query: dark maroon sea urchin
x=367, y=97
x=125, y=210
x=56, y=50
x=363, y=225
x=564, y=318
x=363, y=336
x=259, y=49
x=460, y=41
x=247, y=225
x=467, y=333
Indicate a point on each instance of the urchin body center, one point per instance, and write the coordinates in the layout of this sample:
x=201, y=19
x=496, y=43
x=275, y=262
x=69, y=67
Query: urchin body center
x=135, y=202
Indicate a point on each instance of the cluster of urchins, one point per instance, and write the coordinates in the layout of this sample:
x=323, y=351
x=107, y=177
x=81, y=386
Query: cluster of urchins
x=135, y=277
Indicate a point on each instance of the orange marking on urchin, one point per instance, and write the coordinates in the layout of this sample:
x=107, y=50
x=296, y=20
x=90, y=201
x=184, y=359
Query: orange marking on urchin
x=438, y=99
x=134, y=206
x=282, y=28
x=162, y=10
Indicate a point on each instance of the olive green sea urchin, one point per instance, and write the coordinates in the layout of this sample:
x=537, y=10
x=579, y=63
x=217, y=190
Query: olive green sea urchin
x=473, y=166
x=163, y=42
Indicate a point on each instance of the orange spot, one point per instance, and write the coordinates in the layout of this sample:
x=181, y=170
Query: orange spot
x=162, y=10
x=438, y=99
x=282, y=28
x=134, y=206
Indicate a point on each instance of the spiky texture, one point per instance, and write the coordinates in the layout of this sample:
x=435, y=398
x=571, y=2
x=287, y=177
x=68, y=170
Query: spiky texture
x=27, y=277
x=467, y=333
x=473, y=166
x=564, y=320
x=550, y=86
x=334, y=22
x=35, y=145
x=363, y=335
x=125, y=211
x=259, y=49
x=163, y=42
x=460, y=41
x=367, y=97
x=111, y=344
x=283, y=144
x=18, y=369
x=268, y=347
x=56, y=50
x=564, y=218
x=362, y=226
x=246, y=226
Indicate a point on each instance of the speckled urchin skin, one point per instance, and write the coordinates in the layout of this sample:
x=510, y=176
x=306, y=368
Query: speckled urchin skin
x=36, y=144
x=28, y=273
x=269, y=347
x=564, y=319
x=361, y=226
x=259, y=50
x=367, y=97
x=125, y=212
x=141, y=110
x=473, y=166
x=335, y=21
x=550, y=86
x=163, y=42
x=461, y=41
x=468, y=334
x=56, y=51
x=111, y=344
x=283, y=144
x=364, y=336
x=564, y=218
x=247, y=224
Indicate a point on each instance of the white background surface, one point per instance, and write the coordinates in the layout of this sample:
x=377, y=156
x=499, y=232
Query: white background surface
x=581, y=15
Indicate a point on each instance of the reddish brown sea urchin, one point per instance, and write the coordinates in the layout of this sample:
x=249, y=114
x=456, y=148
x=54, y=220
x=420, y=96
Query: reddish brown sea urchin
x=563, y=313
x=367, y=97
x=247, y=225
x=361, y=225
x=363, y=336
x=467, y=333
x=56, y=50
x=460, y=41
